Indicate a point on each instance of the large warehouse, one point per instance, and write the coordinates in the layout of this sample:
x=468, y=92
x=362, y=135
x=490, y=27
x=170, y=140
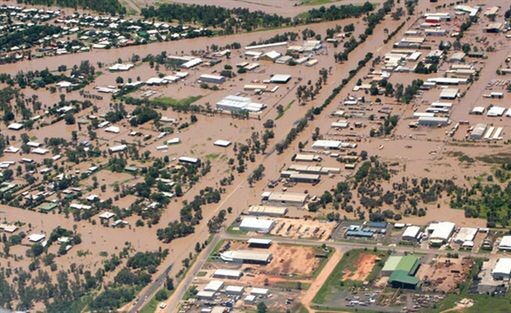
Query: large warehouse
x=285, y=198
x=411, y=233
x=246, y=256
x=404, y=274
x=239, y=104
x=440, y=232
x=264, y=210
x=257, y=225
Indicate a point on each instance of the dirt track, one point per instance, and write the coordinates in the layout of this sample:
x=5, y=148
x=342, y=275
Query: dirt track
x=320, y=280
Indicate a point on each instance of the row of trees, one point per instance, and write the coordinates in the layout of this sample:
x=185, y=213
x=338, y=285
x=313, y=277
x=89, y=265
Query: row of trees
x=112, y=7
x=230, y=20
x=240, y=19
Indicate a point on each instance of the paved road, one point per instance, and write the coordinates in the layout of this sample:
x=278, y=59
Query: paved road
x=149, y=292
x=183, y=286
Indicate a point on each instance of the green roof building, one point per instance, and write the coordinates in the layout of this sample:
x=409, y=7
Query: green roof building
x=391, y=264
x=403, y=275
x=401, y=279
x=409, y=264
x=47, y=207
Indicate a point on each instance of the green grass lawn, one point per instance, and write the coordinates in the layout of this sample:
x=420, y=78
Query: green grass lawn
x=315, y=2
x=176, y=104
x=334, y=282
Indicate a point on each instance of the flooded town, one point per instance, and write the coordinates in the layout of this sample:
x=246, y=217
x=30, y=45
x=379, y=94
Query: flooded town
x=261, y=156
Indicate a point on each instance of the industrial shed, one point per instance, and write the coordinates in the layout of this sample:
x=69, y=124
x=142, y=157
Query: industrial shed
x=478, y=131
x=304, y=178
x=400, y=279
x=433, y=121
x=502, y=270
x=440, y=232
x=411, y=233
x=391, y=264
x=280, y=78
x=449, y=93
x=285, y=198
x=465, y=234
x=246, y=256
x=263, y=210
x=234, y=290
x=327, y=144
x=208, y=78
x=505, y=243
x=256, y=225
x=306, y=158
x=238, y=104
x=214, y=285
x=227, y=274
x=259, y=243
x=404, y=274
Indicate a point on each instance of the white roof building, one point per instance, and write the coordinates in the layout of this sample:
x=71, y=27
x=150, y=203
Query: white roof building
x=440, y=231
x=118, y=148
x=271, y=55
x=113, y=129
x=191, y=63
x=234, y=290
x=36, y=237
x=411, y=233
x=502, y=269
x=15, y=126
x=121, y=67
x=449, y=93
x=204, y=294
x=11, y=149
x=227, y=273
x=246, y=256
x=214, y=285
x=256, y=224
x=259, y=291
x=496, y=111
x=106, y=215
x=505, y=243
x=156, y=81
x=465, y=234
x=40, y=151
x=173, y=141
x=79, y=206
x=236, y=104
x=327, y=144
x=222, y=143
x=280, y=78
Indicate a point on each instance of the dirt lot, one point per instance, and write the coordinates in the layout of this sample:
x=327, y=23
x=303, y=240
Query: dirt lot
x=364, y=264
x=444, y=274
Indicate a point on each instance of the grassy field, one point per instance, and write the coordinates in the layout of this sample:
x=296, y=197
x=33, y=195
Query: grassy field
x=176, y=104
x=482, y=303
x=150, y=307
x=335, y=283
